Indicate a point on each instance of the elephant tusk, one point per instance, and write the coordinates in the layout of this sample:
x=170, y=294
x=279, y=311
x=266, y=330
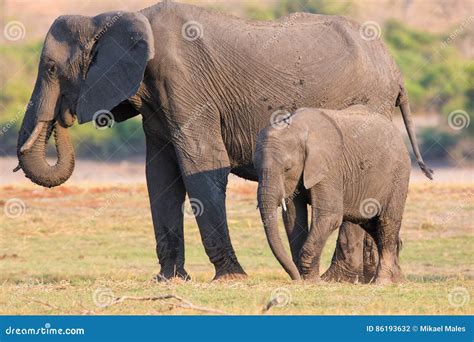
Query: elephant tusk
x=283, y=204
x=33, y=137
x=16, y=169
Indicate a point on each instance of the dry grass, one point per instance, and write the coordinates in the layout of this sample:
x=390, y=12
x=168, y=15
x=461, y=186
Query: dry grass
x=75, y=248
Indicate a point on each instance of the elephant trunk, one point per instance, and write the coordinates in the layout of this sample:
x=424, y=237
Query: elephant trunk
x=268, y=206
x=31, y=152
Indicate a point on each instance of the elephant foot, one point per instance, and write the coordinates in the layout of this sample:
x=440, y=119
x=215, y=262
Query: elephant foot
x=169, y=275
x=393, y=277
x=311, y=278
x=340, y=273
x=233, y=273
x=228, y=277
x=398, y=277
x=382, y=281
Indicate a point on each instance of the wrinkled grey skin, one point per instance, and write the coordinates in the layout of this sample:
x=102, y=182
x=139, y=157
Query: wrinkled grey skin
x=350, y=165
x=204, y=92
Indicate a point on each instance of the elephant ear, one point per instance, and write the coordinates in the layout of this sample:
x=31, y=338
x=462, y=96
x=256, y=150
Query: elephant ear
x=315, y=164
x=123, y=46
x=323, y=147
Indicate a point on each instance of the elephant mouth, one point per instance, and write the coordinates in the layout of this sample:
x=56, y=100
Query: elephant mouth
x=67, y=115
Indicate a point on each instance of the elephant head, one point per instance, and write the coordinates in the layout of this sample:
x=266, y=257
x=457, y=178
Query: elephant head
x=88, y=66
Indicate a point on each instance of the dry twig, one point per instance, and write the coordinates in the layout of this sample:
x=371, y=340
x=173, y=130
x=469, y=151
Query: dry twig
x=271, y=304
x=183, y=303
x=44, y=303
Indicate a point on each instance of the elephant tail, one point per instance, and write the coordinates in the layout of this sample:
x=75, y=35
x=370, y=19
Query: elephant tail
x=402, y=102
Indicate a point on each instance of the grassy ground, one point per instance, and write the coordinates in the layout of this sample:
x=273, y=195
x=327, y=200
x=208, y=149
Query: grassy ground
x=73, y=249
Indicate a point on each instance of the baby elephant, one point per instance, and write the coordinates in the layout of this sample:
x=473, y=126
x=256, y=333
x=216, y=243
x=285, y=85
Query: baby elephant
x=351, y=165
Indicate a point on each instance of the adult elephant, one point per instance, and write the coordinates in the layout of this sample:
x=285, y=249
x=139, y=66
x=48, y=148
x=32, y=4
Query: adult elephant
x=205, y=84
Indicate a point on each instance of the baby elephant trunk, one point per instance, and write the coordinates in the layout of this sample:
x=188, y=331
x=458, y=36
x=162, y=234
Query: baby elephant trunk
x=269, y=212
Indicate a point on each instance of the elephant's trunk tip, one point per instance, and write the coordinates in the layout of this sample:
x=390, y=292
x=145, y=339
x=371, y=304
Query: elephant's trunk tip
x=269, y=218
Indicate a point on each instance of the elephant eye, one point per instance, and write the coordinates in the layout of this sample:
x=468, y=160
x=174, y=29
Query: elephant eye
x=52, y=69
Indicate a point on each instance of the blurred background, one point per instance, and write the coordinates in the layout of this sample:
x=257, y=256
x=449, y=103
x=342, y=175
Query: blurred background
x=432, y=42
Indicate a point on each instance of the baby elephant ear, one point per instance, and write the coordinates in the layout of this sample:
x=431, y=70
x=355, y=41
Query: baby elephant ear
x=123, y=46
x=315, y=164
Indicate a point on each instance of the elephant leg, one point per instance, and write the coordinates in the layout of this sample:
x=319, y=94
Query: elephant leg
x=295, y=219
x=321, y=228
x=355, y=257
x=166, y=192
x=196, y=134
x=388, y=243
x=386, y=234
x=205, y=168
x=206, y=191
x=370, y=259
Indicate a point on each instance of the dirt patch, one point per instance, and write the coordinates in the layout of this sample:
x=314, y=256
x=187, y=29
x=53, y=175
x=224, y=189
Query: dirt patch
x=243, y=189
x=8, y=256
x=39, y=193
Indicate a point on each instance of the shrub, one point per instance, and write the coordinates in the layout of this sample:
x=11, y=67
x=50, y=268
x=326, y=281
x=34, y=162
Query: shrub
x=436, y=143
